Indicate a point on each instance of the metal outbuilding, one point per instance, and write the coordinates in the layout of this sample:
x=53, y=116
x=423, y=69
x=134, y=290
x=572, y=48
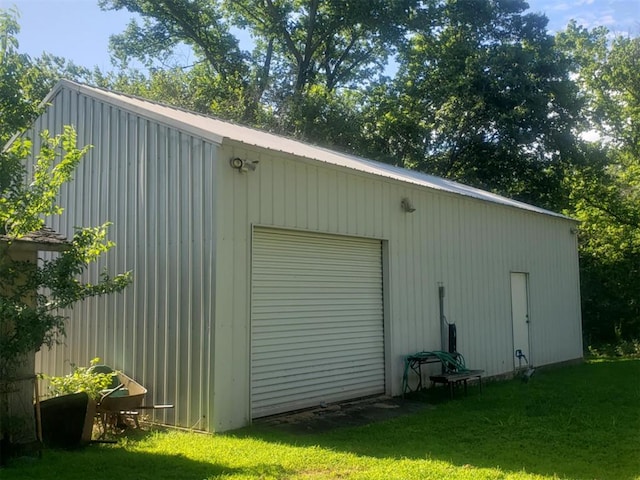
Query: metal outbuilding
x=272, y=275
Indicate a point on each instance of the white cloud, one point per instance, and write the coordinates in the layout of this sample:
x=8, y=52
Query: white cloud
x=607, y=20
x=620, y=16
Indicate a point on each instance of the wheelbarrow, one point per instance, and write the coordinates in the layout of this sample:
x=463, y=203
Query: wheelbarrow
x=122, y=400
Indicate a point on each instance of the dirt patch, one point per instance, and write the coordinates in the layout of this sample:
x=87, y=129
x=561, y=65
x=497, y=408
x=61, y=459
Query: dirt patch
x=345, y=414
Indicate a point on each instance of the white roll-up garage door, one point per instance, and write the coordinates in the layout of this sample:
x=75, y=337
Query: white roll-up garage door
x=316, y=320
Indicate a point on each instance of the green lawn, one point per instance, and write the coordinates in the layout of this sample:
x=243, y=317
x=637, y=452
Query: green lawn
x=579, y=422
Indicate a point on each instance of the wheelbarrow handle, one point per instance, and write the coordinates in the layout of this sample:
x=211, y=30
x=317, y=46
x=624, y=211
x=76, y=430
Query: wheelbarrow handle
x=111, y=392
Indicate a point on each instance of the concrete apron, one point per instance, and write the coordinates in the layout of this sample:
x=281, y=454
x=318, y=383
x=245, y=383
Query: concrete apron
x=345, y=414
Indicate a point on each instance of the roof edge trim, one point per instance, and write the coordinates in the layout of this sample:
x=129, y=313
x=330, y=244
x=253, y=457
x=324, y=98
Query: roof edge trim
x=110, y=97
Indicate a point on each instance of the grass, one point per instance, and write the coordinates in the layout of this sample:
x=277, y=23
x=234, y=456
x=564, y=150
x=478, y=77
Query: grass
x=578, y=422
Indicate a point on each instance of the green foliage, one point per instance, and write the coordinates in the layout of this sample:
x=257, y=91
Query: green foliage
x=21, y=209
x=24, y=81
x=605, y=192
x=32, y=296
x=300, y=46
x=482, y=96
x=168, y=23
x=197, y=89
x=220, y=69
x=620, y=348
x=17, y=105
x=330, y=43
x=81, y=379
x=321, y=116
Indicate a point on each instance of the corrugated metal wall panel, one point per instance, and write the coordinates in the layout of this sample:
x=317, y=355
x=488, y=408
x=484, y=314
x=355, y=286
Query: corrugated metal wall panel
x=471, y=247
x=156, y=186
x=317, y=332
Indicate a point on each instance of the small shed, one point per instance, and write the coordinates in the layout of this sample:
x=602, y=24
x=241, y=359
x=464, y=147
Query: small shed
x=272, y=275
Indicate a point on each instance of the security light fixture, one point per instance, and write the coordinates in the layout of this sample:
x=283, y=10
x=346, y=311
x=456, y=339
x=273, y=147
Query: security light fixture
x=243, y=165
x=407, y=206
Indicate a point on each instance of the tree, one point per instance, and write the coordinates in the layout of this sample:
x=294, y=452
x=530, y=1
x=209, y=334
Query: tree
x=482, y=96
x=332, y=43
x=605, y=192
x=194, y=89
x=17, y=104
x=24, y=82
x=303, y=50
x=34, y=292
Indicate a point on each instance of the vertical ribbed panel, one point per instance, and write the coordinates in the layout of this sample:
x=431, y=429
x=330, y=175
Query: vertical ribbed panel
x=155, y=185
x=317, y=320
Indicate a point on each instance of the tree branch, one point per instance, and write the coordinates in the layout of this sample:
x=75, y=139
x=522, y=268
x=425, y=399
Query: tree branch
x=620, y=219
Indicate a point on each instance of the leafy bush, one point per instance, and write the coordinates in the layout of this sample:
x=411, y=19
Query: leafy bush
x=622, y=348
x=82, y=379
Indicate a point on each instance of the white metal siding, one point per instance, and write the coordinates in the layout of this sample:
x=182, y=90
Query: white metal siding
x=470, y=246
x=316, y=320
x=155, y=185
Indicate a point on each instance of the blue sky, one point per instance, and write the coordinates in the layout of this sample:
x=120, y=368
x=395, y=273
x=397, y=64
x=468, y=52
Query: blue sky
x=79, y=30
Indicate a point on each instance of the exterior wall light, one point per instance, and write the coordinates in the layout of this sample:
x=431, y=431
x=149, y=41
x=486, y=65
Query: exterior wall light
x=407, y=206
x=243, y=165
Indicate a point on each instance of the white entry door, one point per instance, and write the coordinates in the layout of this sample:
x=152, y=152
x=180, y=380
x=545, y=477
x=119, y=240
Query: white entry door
x=520, y=318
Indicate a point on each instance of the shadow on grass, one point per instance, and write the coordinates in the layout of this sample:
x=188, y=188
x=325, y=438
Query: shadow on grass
x=575, y=422
x=106, y=463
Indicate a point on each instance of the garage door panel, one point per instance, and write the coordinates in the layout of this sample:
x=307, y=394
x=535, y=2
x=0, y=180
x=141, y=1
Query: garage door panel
x=331, y=313
x=266, y=373
x=322, y=386
x=274, y=357
x=334, y=317
x=304, y=330
x=326, y=346
x=300, y=294
x=301, y=375
x=321, y=340
x=319, y=300
x=328, y=349
x=317, y=320
x=287, y=400
x=312, y=319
